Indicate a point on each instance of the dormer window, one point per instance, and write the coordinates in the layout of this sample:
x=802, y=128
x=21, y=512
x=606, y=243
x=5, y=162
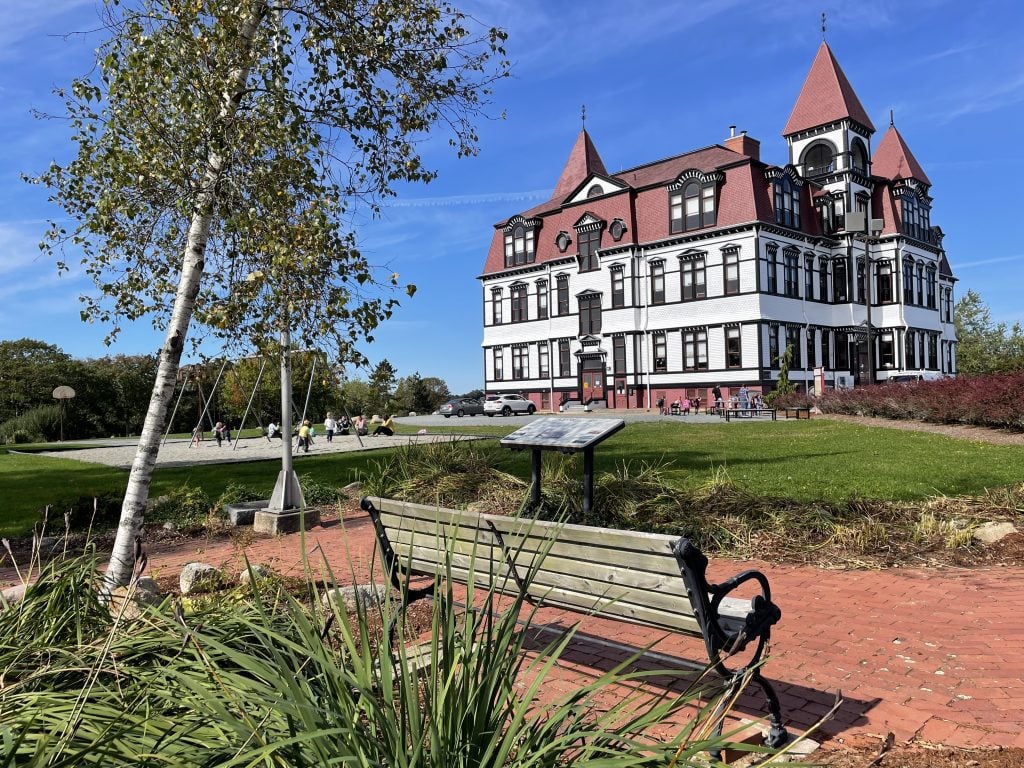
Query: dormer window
x=819, y=160
x=588, y=241
x=519, y=242
x=691, y=201
x=787, y=202
x=588, y=244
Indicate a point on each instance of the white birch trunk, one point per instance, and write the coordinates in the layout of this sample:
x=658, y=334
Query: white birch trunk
x=129, y=530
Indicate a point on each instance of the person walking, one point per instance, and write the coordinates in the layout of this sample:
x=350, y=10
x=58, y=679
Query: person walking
x=744, y=398
x=330, y=425
x=304, y=436
x=717, y=394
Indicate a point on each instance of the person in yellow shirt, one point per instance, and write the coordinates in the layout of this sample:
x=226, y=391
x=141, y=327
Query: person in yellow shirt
x=304, y=436
x=387, y=428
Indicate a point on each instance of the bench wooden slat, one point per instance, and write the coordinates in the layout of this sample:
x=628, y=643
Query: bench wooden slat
x=662, y=562
x=603, y=537
x=646, y=598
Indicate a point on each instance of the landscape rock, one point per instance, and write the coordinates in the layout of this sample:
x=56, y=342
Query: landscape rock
x=12, y=595
x=348, y=597
x=128, y=602
x=48, y=546
x=199, y=577
x=170, y=526
x=990, y=533
x=258, y=570
x=353, y=489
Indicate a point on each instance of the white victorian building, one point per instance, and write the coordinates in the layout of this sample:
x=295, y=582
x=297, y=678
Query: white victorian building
x=663, y=280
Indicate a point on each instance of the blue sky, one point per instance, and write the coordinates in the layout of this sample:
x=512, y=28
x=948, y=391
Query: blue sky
x=658, y=79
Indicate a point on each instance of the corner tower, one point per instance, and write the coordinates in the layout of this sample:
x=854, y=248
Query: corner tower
x=829, y=138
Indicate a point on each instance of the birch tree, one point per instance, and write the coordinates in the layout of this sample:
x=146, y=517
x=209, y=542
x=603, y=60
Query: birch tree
x=224, y=149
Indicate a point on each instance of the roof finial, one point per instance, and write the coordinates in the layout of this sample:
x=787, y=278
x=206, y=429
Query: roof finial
x=583, y=116
x=890, y=119
x=823, y=27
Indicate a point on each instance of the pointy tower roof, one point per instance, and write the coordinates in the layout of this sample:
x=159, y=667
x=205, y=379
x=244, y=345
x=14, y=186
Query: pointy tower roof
x=826, y=96
x=894, y=160
x=583, y=162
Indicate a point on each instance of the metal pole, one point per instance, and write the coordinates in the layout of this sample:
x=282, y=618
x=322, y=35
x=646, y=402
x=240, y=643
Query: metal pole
x=259, y=376
x=867, y=269
x=170, y=421
x=287, y=493
x=588, y=482
x=535, y=478
x=206, y=404
x=309, y=390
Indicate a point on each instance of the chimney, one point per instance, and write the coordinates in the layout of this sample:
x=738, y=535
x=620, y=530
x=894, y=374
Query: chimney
x=743, y=144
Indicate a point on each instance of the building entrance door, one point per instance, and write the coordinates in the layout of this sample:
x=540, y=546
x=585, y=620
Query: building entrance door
x=593, y=385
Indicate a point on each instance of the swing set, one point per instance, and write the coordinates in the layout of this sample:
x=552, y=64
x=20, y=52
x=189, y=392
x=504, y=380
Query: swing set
x=196, y=374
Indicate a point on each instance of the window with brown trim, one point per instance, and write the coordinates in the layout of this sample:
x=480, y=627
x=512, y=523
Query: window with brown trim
x=660, y=353
x=520, y=313
x=657, y=282
x=520, y=362
x=618, y=288
x=693, y=279
x=562, y=285
x=731, y=265
x=733, y=348
x=590, y=314
x=695, y=350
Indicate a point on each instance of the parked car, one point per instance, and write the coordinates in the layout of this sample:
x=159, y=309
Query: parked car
x=507, y=405
x=461, y=406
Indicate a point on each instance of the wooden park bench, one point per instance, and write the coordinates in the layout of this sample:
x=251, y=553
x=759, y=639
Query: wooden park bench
x=748, y=413
x=650, y=579
x=796, y=413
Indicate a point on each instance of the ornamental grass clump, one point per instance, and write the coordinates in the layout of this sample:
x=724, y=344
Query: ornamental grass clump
x=276, y=679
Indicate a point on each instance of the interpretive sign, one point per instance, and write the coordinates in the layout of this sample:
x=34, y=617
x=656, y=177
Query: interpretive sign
x=563, y=434
x=568, y=435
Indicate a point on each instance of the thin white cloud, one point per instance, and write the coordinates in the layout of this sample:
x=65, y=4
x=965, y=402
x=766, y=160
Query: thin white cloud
x=481, y=199
x=958, y=265
x=994, y=94
x=21, y=20
x=955, y=50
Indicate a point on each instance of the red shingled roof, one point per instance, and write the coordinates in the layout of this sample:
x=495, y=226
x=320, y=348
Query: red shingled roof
x=894, y=160
x=827, y=96
x=583, y=162
x=643, y=206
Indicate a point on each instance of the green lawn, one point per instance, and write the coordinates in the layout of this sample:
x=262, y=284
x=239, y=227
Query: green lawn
x=817, y=459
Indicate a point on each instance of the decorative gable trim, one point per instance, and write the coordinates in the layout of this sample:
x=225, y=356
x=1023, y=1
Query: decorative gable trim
x=588, y=222
x=776, y=173
x=694, y=174
x=532, y=223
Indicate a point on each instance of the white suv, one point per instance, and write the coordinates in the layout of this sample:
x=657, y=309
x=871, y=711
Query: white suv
x=507, y=405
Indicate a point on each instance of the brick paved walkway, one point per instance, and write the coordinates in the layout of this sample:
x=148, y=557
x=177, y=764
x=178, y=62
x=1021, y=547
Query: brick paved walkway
x=932, y=654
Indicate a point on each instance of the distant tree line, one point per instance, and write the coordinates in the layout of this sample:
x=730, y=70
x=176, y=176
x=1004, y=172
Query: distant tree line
x=112, y=393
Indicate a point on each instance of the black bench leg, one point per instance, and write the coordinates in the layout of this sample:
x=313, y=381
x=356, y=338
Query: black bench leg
x=777, y=734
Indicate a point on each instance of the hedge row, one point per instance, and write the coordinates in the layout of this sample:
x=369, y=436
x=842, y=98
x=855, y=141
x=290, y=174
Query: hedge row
x=986, y=401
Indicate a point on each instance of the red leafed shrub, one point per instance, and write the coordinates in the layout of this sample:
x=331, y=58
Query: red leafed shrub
x=986, y=401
